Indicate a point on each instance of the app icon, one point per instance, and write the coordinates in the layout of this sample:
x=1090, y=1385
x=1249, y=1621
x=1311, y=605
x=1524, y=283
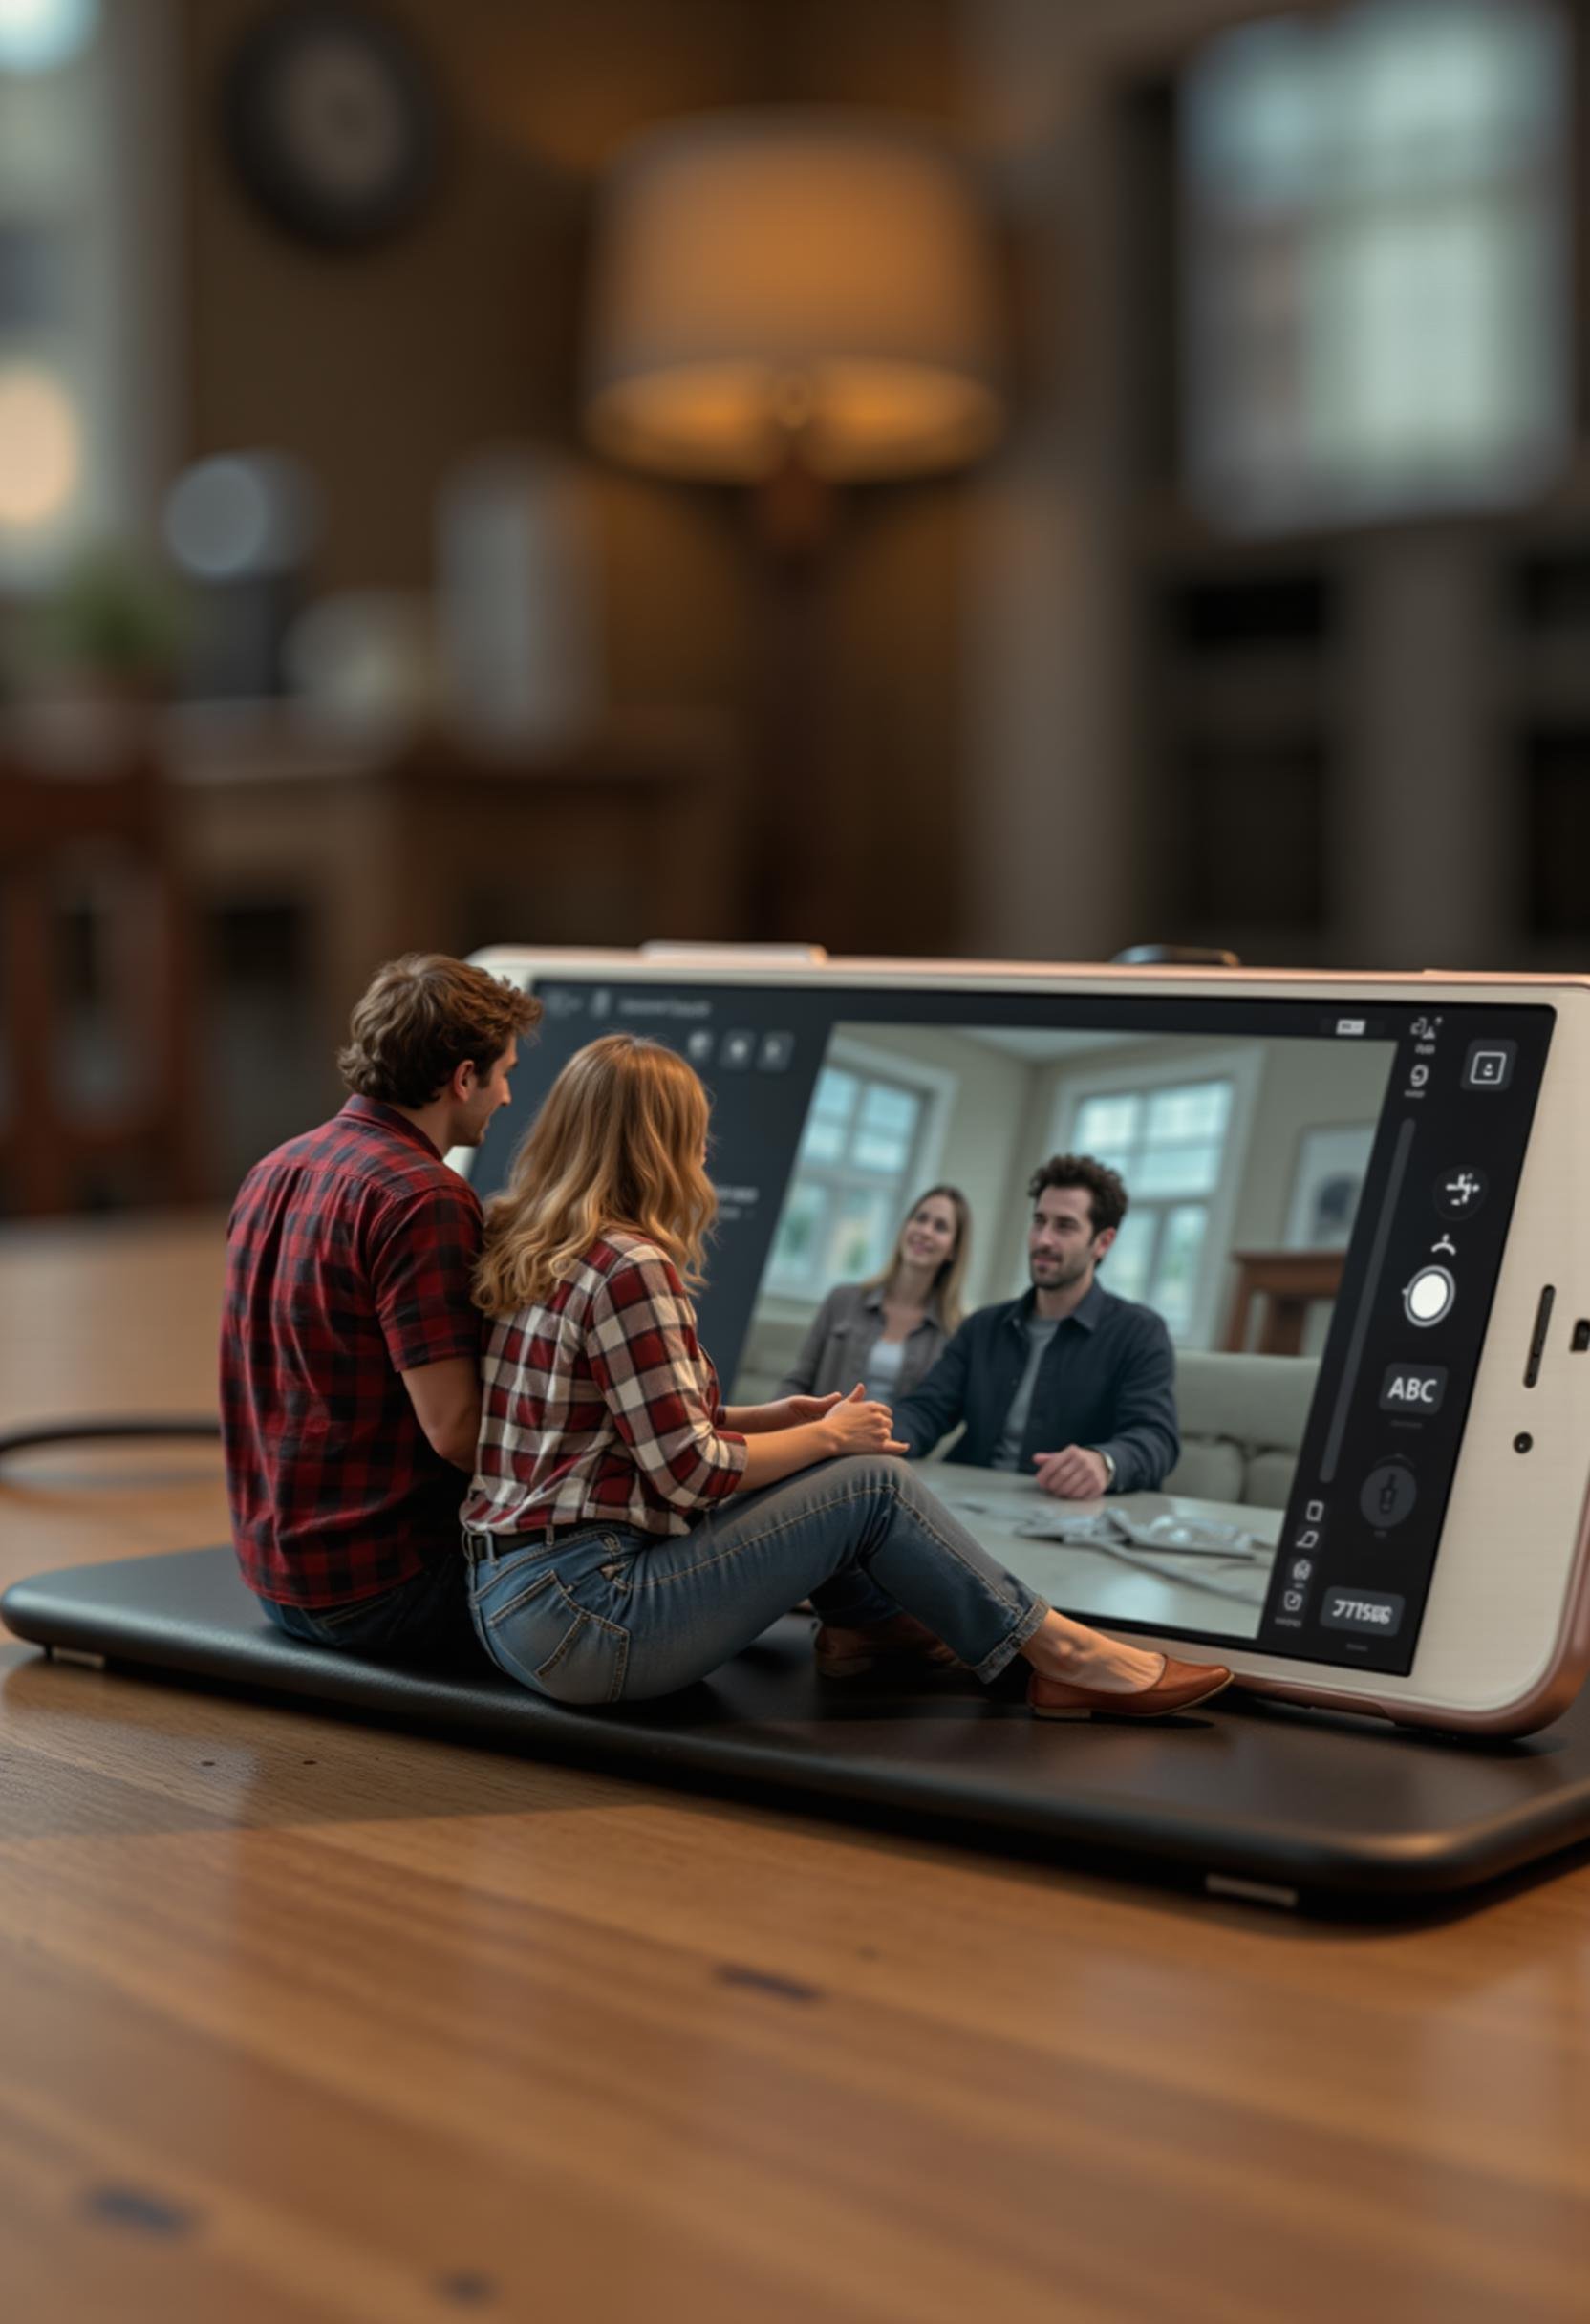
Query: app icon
x=1488, y=1065
x=1460, y=1192
x=1388, y=1494
x=1377, y=1613
x=1417, y=1388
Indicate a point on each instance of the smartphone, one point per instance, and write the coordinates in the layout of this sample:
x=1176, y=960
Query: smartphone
x=1357, y=1203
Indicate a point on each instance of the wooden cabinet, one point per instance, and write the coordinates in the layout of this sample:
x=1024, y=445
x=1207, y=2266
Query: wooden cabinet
x=302, y=856
x=1284, y=1285
x=433, y=846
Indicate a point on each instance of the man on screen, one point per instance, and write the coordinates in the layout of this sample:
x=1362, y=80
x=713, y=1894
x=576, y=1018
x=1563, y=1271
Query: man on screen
x=1067, y=1384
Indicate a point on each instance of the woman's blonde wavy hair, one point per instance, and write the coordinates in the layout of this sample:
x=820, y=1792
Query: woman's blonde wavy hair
x=949, y=1281
x=619, y=1143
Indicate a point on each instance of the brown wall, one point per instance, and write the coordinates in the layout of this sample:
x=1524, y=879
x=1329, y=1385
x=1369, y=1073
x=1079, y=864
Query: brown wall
x=381, y=369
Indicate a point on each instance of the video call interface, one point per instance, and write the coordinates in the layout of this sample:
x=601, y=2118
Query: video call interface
x=1317, y=1201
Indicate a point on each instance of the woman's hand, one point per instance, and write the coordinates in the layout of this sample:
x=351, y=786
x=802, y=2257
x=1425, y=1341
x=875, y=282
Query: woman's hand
x=844, y=1424
x=772, y=1419
x=795, y=1412
x=856, y=1426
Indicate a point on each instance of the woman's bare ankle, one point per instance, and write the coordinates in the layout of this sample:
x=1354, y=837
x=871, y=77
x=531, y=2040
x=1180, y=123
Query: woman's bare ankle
x=1065, y=1649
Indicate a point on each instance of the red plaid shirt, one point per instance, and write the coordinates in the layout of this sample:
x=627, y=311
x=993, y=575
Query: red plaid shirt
x=601, y=1404
x=348, y=1261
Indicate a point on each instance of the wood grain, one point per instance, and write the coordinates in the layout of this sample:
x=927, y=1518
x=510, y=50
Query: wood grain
x=300, y=2018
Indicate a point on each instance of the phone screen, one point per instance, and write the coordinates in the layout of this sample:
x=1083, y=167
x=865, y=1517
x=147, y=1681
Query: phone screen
x=1276, y=1347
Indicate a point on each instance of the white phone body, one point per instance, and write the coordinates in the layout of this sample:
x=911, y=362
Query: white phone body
x=1504, y=1642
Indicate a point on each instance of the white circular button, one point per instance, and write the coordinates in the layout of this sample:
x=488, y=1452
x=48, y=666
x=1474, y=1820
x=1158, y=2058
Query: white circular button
x=1429, y=1296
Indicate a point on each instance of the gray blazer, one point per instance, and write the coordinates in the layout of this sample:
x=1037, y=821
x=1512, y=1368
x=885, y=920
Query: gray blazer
x=835, y=1351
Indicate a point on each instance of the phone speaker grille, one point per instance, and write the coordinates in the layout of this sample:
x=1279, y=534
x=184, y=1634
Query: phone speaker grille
x=1537, y=1337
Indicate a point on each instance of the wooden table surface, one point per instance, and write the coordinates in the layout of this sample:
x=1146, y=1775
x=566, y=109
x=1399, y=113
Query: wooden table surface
x=300, y=2019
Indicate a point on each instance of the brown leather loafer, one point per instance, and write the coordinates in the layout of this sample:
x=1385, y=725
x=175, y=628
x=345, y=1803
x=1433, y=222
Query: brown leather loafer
x=850, y=1653
x=1177, y=1688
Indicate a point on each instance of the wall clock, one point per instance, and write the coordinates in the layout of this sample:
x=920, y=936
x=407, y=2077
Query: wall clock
x=332, y=123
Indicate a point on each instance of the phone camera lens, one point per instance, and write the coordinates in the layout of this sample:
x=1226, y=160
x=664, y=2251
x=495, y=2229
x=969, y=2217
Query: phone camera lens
x=1523, y=1441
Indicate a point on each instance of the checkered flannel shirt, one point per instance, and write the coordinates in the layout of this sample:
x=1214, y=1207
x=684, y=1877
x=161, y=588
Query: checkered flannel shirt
x=347, y=1260
x=601, y=1405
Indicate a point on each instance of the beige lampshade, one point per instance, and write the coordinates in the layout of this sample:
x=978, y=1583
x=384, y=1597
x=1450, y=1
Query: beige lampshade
x=814, y=277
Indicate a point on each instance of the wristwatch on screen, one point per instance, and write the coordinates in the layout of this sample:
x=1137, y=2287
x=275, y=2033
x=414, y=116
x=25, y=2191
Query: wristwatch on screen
x=1110, y=1466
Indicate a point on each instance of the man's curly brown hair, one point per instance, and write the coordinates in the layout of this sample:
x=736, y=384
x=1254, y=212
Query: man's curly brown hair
x=420, y=1018
x=1106, y=1188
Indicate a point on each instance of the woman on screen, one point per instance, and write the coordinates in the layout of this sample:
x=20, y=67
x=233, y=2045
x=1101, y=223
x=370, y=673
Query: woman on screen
x=626, y=1534
x=889, y=1332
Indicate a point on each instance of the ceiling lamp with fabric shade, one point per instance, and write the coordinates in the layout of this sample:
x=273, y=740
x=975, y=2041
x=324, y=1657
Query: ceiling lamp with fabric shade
x=807, y=284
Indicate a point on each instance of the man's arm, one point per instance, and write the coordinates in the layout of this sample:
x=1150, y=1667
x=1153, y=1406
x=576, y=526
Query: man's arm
x=1145, y=1442
x=447, y=1400
x=938, y=1401
x=420, y=1263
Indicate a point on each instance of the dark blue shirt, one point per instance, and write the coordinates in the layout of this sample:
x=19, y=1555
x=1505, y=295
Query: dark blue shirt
x=1108, y=1379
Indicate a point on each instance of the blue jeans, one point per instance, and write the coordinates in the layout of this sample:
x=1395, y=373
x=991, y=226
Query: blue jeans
x=611, y=1614
x=425, y=1618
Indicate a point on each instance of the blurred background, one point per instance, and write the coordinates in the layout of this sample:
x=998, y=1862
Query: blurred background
x=977, y=476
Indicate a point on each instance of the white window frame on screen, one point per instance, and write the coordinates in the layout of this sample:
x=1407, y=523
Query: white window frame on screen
x=1244, y=1070
x=935, y=1085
